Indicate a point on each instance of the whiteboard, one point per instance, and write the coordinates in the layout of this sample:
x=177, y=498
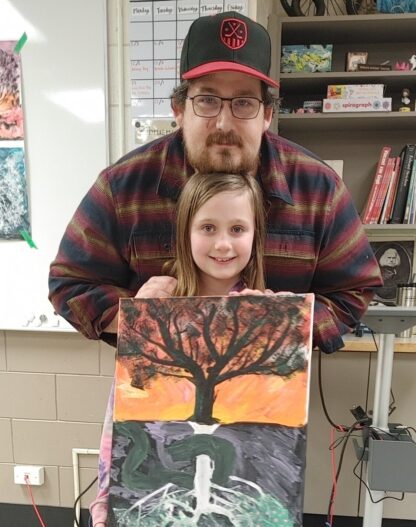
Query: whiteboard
x=64, y=80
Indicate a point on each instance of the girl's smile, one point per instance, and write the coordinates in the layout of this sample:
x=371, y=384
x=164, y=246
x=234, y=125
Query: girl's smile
x=222, y=233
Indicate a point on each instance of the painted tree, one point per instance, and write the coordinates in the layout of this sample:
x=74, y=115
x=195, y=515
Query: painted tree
x=211, y=341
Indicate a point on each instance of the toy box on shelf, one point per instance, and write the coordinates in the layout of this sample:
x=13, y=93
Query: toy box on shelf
x=369, y=104
x=312, y=57
x=347, y=91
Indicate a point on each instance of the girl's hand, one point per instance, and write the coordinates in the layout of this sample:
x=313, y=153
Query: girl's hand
x=157, y=287
x=248, y=291
x=257, y=292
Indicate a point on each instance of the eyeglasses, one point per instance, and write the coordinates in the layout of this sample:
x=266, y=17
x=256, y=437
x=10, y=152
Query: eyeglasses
x=211, y=106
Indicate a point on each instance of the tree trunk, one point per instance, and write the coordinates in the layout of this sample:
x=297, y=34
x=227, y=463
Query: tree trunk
x=204, y=469
x=204, y=403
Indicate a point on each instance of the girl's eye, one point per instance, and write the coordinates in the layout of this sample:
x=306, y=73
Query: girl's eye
x=208, y=228
x=237, y=229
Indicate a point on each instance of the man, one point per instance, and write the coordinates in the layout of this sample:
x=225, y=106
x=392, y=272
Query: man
x=123, y=230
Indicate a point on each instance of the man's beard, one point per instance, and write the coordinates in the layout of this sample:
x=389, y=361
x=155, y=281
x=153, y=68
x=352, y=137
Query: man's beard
x=205, y=162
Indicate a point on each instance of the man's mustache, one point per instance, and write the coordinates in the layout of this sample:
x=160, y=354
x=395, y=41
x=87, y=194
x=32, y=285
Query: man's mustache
x=219, y=138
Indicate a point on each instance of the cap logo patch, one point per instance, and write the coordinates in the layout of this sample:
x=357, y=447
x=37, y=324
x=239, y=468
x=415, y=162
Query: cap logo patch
x=233, y=33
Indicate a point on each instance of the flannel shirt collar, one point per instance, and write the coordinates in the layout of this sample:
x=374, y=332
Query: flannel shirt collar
x=176, y=169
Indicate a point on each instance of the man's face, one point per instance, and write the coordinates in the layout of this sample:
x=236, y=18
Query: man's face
x=223, y=143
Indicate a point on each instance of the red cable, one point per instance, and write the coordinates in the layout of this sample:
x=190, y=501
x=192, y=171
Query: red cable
x=334, y=477
x=33, y=501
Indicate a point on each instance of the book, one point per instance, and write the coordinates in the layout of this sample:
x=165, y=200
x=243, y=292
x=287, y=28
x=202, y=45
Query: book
x=369, y=213
x=412, y=207
x=391, y=192
x=409, y=199
x=407, y=156
x=382, y=192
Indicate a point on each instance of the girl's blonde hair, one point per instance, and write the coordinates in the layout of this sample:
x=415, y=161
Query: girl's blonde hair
x=196, y=192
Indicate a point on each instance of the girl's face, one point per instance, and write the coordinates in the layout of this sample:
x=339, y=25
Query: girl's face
x=222, y=233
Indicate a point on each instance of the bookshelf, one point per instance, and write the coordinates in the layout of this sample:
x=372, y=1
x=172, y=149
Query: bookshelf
x=356, y=138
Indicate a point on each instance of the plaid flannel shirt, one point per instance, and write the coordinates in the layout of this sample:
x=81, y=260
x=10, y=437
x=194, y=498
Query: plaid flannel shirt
x=123, y=232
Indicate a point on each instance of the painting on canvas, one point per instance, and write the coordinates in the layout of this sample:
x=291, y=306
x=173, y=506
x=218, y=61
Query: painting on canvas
x=11, y=116
x=210, y=414
x=14, y=213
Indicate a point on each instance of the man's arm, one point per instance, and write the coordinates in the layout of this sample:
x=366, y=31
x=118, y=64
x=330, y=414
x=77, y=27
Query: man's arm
x=91, y=272
x=346, y=276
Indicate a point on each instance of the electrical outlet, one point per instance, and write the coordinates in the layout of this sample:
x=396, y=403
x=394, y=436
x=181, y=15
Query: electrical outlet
x=35, y=474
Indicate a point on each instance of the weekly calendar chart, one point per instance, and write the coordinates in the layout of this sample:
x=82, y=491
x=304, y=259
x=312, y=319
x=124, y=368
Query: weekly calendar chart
x=157, y=31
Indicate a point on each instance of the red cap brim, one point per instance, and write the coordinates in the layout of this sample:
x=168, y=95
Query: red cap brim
x=214, y=67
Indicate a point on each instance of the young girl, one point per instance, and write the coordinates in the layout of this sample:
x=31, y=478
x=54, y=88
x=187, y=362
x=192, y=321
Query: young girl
x=220, y=232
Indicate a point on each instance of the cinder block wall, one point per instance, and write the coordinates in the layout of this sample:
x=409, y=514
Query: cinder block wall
x=53, y=393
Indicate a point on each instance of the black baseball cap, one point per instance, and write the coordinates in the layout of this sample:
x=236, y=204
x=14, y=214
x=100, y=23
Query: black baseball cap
x=226, y=41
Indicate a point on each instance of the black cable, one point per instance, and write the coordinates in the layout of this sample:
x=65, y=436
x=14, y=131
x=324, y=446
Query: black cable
x=391, y=435
x=393, y=400
x=365, y=484
x=321, y=393
x=79, y=497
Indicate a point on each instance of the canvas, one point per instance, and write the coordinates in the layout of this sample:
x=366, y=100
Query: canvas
x=11, y=115
x=211, y=407
x=14, y=212
x=14, y=208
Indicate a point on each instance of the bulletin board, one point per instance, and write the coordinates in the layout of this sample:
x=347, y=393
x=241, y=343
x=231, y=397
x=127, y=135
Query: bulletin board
x=64, y=79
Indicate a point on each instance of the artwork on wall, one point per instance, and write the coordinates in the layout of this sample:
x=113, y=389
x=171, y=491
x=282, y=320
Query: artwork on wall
x=11, y=115
x=395, y=259
x=14, y=213
x=210, y=414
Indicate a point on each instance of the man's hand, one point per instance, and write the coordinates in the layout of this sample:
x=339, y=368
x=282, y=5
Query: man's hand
x=157, y=287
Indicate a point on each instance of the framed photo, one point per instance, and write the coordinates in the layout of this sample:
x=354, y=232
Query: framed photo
x=396, y=261
x=354, y=58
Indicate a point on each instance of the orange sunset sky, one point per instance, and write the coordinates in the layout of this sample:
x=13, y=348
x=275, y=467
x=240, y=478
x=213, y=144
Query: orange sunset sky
x=267, y=399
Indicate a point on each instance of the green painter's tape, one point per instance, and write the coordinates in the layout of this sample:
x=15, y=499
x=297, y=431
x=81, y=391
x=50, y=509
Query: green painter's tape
x=20, y=43
x=26, y=236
